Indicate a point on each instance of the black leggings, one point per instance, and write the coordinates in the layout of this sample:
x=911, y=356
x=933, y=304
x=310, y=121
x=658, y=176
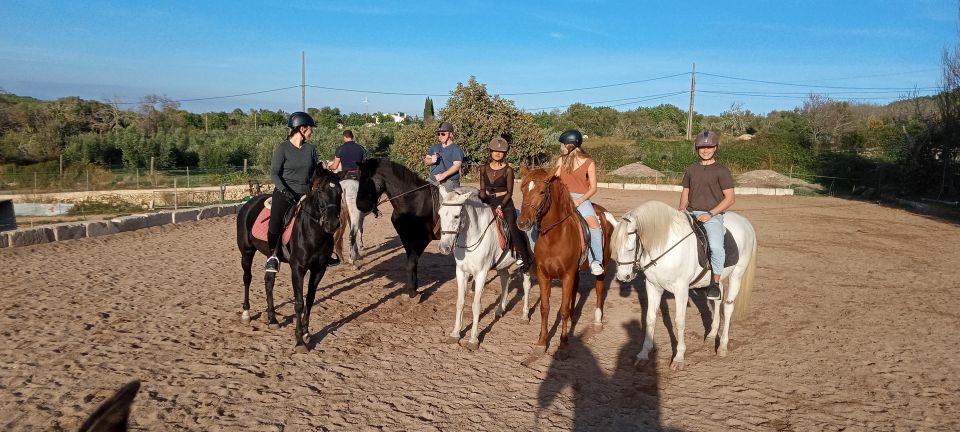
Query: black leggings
x=278, y=210
x=517, y=237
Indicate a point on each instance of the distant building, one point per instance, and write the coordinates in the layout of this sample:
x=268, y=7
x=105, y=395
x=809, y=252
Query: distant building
x=398, y=117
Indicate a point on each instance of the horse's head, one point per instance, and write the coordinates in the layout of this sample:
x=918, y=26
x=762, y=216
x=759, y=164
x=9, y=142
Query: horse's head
x=625, y=248
x=371, y=186
x=645, y=228
x=325, y=198
x=452, y=217
x=535, y=186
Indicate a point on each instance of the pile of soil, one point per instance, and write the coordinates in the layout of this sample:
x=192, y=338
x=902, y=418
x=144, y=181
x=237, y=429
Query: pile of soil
x=773, y=179
x=637, y=169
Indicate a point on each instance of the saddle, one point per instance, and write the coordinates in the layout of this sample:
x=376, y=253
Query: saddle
x=703, y=246
x=503, y=232
x=435, y=195
x=262, y=223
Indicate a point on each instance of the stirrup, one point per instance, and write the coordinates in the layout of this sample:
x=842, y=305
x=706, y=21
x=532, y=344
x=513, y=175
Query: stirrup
x=273, y=264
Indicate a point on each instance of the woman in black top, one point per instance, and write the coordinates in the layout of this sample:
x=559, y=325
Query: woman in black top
x=291, y=168
x=496, y=189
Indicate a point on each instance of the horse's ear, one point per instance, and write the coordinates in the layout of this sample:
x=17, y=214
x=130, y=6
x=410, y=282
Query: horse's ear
x=113, y=414
x=524, y=170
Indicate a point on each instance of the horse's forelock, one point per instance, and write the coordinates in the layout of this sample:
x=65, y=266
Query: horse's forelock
x=654, y=220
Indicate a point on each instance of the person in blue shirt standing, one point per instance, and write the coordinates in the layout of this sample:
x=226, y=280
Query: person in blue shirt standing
x=445, y=158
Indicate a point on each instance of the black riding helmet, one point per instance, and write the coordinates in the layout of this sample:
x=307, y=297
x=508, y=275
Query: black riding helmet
x=572, y=136
x=300, y=118
x=445, y=127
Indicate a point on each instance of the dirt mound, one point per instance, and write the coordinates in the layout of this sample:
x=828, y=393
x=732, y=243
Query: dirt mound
x=772, y=179
x=636, y=169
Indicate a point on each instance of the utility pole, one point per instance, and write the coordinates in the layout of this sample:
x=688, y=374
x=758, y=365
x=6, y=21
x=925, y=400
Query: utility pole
x=303, y=81
x=693, y=85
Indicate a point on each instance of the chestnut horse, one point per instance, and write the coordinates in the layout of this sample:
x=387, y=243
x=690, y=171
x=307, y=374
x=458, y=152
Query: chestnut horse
x=559, y=244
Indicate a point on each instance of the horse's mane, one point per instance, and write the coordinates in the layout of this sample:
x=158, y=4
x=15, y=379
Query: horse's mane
x=400, y=172
x=654, y=220
x=462, y=194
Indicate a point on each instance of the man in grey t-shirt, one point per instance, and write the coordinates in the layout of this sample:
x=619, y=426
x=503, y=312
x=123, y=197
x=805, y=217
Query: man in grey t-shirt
x=707, y=193
x=445, y=158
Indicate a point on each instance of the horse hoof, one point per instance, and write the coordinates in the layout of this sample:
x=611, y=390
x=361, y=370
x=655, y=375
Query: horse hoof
x=676, y=365
x=640, y=362
x=245, y=317
x=499, y=312
x=274, y=326
x=451, y=339
x=538, y=349
x=473, y=346
x=301, y=349
x=722, y=352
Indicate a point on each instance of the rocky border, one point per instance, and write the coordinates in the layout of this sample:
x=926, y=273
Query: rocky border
x=77, y=230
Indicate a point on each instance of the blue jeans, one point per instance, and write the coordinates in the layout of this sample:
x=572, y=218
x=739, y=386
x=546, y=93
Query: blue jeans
x=715, y=233
x=596, y=234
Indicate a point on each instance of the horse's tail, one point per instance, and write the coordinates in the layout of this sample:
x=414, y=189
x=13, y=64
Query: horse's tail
x=742, y=303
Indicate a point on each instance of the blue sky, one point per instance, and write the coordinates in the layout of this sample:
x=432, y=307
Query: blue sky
x=197, y=49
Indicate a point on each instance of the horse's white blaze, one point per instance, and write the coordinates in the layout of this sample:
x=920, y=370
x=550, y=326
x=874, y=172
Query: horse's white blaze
x=530, y=187
x=471, y=239
x=660, y=227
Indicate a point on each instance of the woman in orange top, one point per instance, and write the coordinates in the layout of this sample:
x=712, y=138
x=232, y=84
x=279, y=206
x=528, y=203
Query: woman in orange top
x=579, y=174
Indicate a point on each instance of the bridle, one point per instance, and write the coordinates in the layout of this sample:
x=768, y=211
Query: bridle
x=637, y=249
x=402, y=194
x=456, y=238
x=324, y=209
x=545, y=205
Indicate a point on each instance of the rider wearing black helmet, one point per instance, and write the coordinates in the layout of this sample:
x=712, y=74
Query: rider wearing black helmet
x=291, y=168
x=707, y=192
x=578, y=173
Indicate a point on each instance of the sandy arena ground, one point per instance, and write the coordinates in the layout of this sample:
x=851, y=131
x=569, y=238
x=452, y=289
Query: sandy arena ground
x=853, y=326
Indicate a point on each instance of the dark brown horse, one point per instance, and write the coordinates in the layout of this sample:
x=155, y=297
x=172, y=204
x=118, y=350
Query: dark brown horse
x=559, y=244
x=309, y=249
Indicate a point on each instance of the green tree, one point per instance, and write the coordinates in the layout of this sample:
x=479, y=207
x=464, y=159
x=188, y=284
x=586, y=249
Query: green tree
x=428, y=113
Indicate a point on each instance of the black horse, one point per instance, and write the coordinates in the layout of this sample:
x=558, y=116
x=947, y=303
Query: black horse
x=415, y=204
x=309, y=249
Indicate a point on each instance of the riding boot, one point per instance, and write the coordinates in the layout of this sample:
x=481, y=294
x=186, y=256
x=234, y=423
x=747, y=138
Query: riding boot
x=273, y=263
x=596, y=251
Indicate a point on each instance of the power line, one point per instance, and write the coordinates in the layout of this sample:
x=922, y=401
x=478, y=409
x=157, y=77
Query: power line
x=595, y=87
x=218, y=97
x=378, y=91
x=812, y=86
x=632, y=100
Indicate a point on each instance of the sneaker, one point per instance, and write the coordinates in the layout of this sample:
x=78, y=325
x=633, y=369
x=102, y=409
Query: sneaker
x=713, y=291
x=273, y=264
x=596, y=269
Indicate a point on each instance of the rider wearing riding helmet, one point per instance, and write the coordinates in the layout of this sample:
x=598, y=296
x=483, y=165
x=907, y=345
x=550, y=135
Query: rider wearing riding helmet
x=496, y=189
x=707, y=193
x=291, y=168
x=578, y=173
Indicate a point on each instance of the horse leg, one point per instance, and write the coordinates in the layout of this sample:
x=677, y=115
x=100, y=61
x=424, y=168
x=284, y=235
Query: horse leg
x=479, y=281
x=598, y=313
x=544, y=282
x=714, y=321
x=412, y=283
x=653, y=306
x=297, y=274
x=504, y=288
x=246, y=261
x=733, y=288
x=680, y=320
x=526, y=296
x=458, y=318
x=571, y=283
x=268, y=280
x=312, y=283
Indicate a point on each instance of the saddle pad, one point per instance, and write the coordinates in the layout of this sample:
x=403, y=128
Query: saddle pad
x=262, y=225
x=703, y=247
x=502, y=234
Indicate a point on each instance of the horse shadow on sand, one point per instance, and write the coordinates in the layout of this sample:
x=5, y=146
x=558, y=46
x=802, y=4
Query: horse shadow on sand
x=393, y=269
x=629, y=399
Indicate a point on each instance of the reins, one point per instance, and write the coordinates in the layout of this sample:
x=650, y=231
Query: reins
x=636, y=248
x=400, y=195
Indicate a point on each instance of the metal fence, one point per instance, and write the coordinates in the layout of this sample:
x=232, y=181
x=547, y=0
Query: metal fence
x=98, y=179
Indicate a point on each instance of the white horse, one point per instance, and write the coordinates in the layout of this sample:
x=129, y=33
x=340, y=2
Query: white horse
x=467, y=231
x=352, y=256
x=657, y=239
